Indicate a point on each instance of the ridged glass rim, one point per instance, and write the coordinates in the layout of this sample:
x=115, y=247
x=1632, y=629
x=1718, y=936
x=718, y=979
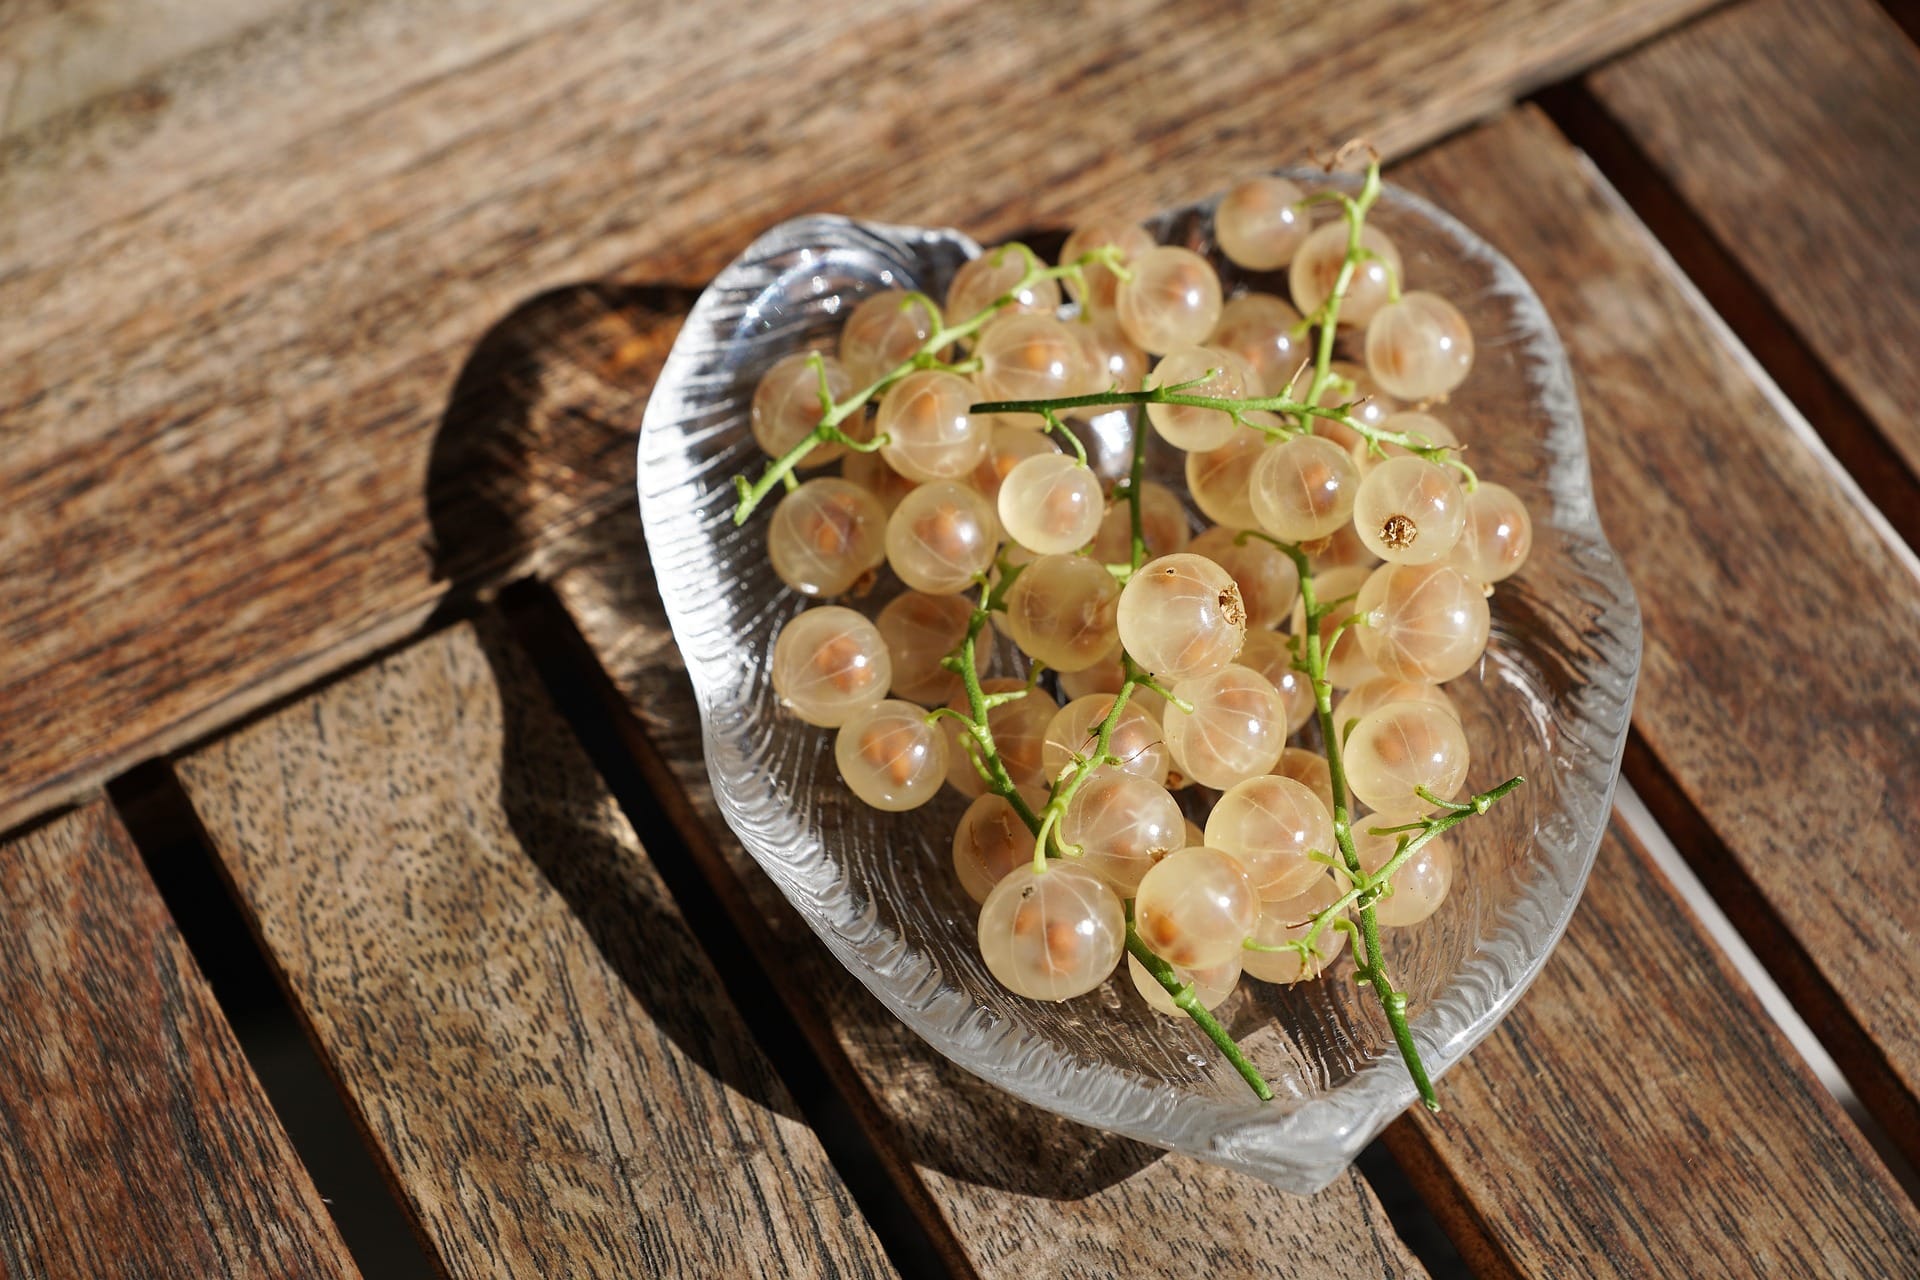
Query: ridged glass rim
x=1301, y=1148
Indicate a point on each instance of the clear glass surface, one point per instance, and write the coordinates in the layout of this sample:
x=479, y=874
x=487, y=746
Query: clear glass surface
x=1549, y=700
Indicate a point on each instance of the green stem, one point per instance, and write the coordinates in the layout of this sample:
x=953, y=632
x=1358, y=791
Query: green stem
x=1412, y=442
x=752, y=494
x=1183, y=996
x=1045, y=824
x=1327, y=318
x=1392, y=1003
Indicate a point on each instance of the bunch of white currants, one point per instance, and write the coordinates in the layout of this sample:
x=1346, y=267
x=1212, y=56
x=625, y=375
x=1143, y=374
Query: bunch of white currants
x=1190, y=616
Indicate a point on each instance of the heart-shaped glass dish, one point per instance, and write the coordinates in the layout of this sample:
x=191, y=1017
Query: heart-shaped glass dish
x=1550, y=701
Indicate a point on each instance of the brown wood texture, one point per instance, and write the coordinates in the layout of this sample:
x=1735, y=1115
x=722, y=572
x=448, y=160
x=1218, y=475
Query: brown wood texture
x=1008, y=1188
x=134, y=1140
x=1777, y=704
x=1793, y=130
x=239, y=293
x=1551, y=1150
x=1640, y=1113
x=509, y=997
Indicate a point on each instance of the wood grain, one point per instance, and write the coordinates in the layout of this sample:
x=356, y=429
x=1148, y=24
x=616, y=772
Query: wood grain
x=241, y=292
x=1017, y=1191
x=508, y=996
x=1792, y=130
x=134, y=1141
x=1639, y=1112
x=1776, y=699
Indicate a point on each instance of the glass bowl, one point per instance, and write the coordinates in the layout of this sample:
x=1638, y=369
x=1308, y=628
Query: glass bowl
x=1550, y=700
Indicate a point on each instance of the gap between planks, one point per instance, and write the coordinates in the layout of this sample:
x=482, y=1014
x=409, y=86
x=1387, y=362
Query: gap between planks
x=1888, y=491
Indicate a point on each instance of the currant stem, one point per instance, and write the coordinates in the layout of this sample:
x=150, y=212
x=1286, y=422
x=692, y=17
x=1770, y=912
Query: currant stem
x=751, y=495
x=1354, y=208
x=1183, y=996
x=1419, y=445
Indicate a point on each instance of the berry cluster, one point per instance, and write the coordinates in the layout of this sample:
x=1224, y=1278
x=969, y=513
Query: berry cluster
x=1337, y=542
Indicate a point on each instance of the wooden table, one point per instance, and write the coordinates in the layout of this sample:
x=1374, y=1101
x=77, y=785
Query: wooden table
x=324, y=336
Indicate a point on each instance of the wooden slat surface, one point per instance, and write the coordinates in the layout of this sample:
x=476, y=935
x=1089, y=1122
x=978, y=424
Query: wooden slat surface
x=134, y=1141
x=1639, y=1112
x=505, y=991
x=1777, y=699
x=239, y=293
x=1793, y=129
x=1667, y=1153
x=1017, y=1191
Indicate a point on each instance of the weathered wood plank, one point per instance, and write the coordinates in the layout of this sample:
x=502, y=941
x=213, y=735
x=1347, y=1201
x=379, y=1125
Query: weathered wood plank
x=1791, y=130
x=134, y=1141
x=503, y=987
x=238, y=294
x=1640, y=1112
x=1776, y=700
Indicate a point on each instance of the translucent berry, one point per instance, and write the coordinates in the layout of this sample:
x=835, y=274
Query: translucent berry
x=930, y=434
x=1496, y=537
x=1347, y=663
x=1291, y=921
x=1173, y=299
x=1112, y=361
x=1019, y=729
x=1410, y=511
x=1060, y=611
x=1303, y=489
x=1419, y=348
x=1031, y=357
x=994, y=273
x=1260, y=223
x=1269, y=581
x=920, y=631
x=1316, y=269
x=1259, y=328
x=1211, y=986
x=1123, y=824
x=1008, y=446
x=828, y=663
x=786, y=406
x=1181, y=615
x=1129, y=238
x=940, y=537
x=1310, y=769
x=1270, y=825
x=991, y=841
x=1424, y=621
x=1213, y=373
x=890, y=756
x=1221, y=480
x=1137, y=745
x=1051, y=504
x=1163, y=525
x=1420, y=885
x=1236, y=729
x=825, y=535
x=1271, y=654
x=1401, y=747
x=1369, y=695
x=1052, y=934
x=1195, y=908
x=885, y=330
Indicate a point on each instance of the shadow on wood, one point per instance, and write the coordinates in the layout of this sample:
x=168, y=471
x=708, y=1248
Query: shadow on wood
x=557, y=384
